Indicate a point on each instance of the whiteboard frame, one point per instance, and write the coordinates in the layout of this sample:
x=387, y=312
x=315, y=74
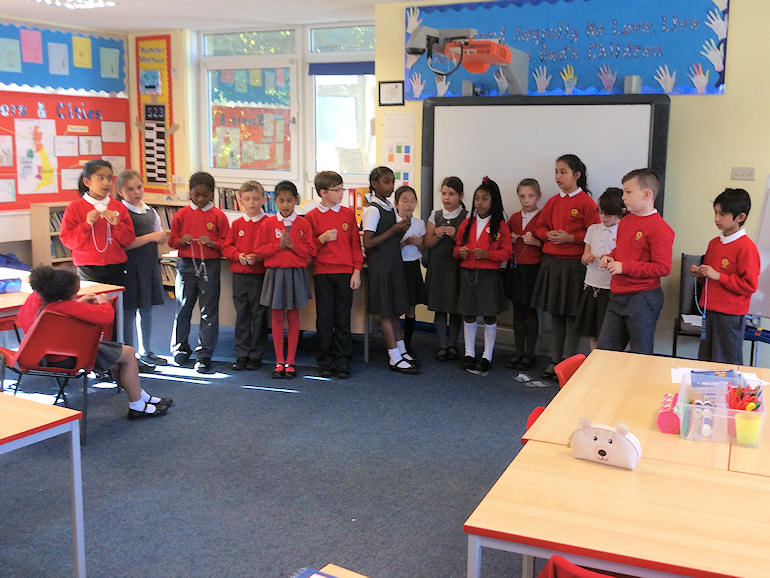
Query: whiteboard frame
x=660, y=108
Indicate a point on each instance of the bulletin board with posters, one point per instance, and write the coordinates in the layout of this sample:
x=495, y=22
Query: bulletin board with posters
x=251, y=137
x=46, y=138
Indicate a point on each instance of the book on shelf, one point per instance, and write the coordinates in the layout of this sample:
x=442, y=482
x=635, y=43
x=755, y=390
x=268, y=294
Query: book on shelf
x=58, y=250
x=55, y=218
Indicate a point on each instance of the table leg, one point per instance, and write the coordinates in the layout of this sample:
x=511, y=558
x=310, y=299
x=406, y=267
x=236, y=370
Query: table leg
x=78, y=534
x=366, y=323
x=119, y=317
x=474, y=556
x=527, y=566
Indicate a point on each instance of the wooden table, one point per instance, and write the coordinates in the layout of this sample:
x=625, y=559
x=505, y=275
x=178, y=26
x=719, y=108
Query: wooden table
x=340, y=572
x=10, y=303
x=23, y=423
x=660, y=519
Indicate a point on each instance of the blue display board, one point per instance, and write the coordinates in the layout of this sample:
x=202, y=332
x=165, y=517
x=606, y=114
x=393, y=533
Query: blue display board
x=53, y=59
x=574, y=46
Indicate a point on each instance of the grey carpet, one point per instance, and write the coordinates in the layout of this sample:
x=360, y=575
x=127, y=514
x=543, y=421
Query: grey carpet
x=377, y=473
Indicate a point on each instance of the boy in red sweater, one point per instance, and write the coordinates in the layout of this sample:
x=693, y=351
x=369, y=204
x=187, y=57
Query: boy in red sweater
x=730, y=271
x=641, y=257
x=337, y=273
x=198, y=231
x=248, y=277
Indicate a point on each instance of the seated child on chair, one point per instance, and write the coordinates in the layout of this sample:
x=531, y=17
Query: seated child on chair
x=56, y=290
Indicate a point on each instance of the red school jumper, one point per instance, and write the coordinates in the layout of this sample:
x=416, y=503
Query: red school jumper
x=738, y=265
x=525, y=254
x=269, y=243
x=573, y=214
x=211, y=222
x=644, y=248
x=242, y=238
x=88, y=243
x=499, y=248
x=343, y=255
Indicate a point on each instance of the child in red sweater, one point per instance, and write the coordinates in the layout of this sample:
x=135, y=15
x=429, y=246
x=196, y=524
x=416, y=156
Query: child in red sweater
x=56, y=290
x=285, y=242
x=97, y=228
x=730, y=271
x=642, y=255
x=197, y=231
x=248, y=277
x=337, y=273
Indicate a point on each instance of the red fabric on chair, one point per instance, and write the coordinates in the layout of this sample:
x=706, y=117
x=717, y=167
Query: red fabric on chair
x=108, y=329
x=568, y=367
x=59, y=335
x=559, y=567
x=532, y=419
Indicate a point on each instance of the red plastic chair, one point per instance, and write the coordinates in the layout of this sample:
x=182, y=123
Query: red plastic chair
x=568, y=367
x=532, y=419
x=559, y=567
x=53, y=333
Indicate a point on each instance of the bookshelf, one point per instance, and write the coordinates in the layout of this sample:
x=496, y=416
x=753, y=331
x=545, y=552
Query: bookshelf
x=45, y=224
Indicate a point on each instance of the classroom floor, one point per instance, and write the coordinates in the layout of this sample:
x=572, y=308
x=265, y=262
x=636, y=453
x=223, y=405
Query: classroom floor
x=247, y=475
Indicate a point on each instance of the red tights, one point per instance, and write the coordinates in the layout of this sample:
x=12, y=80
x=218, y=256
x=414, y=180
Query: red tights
x=293, y=317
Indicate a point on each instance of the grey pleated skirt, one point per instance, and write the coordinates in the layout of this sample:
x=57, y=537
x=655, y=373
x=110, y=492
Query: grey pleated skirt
x=285, y=288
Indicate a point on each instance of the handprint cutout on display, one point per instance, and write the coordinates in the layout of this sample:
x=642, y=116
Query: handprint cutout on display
x=413, y=20
x=442, y=84
x=417, y=84
x=721, y=4
x=717, y=23
x=542, y=78
x=607, y=77
x=665, y=78
x=569, y=78
x=699, y=80
x=716, y=55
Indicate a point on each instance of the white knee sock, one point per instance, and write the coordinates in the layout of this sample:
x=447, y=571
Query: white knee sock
x=139, y=405
x=394, y=355
x=469, y=334
x=401, y=346
x=490, y=332
x=147, y=398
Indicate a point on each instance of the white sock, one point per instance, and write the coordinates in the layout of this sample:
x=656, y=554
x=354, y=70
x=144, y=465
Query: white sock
x=490, y=331
x=146, y=397
x=394, y=355
x=401, y=346
x=138, y=405
x=469, y=334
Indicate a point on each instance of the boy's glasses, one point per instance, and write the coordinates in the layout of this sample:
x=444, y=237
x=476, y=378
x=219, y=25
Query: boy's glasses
x=338, y=188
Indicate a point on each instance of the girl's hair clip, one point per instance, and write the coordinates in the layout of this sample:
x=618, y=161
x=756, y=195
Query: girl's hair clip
x=486, y=179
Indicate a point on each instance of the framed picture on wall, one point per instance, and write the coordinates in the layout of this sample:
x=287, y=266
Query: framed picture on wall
x=391, y=93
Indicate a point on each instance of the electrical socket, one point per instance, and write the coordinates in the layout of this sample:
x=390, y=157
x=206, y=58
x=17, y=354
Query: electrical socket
x=743, y=174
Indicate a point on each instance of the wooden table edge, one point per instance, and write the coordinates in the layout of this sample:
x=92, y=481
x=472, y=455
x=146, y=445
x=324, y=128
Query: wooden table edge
x=44, y=427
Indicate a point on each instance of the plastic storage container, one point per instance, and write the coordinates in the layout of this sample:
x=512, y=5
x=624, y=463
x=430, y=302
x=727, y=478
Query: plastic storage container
x=705, y=415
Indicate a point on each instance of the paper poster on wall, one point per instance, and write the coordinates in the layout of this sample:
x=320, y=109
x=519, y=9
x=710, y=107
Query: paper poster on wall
x=31, y=46
x=6, y=150
x=81, y=52
x=227, y=149
x=399, y=124
x=10, y=55
x=241, y=81
x=398, y=156
x=58, y=59
x=269, y=80
x=586, y=47
x=109, y=62
x=255, y=77
x=90, y=145
x=118, y=163
x=35, y=159
x=7, y=190
x=149, y=81
x=256, y=125
x=279, y=131
x=268, y=126
x=113, y=131
x=69, y=178
x=66, y=146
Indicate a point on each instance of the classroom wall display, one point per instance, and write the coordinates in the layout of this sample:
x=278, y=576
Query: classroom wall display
x=43, y=59
x=46, y=138
x=250, y=137
x=511, y=138
x=156, y=122
x=573, y=47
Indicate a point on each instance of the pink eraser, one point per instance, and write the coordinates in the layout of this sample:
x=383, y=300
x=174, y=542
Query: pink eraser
x=668, y=414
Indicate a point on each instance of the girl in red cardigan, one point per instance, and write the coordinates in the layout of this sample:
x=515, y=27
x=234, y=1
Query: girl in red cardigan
x=483, y=243
x=285, y=242
x=97, y=228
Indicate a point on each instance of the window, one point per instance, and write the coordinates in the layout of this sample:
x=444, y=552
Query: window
x=342, y=39
x=344, y=117
x=249, y=43
x=250, y=116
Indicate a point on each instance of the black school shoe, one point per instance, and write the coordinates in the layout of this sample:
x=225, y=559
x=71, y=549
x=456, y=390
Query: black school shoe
x=482, y=367
x=254, y=364
x=182, y=356
x=469, y=363
x=241, y=363
x=203, y=366
x=513, y=362
x=136, y=414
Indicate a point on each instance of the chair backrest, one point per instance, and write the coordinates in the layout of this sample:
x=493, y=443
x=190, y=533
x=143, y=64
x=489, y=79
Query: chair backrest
x=109, y=328
x=559, y=567
x=568, y=367
x=534, y=414
x=687, y=304
x=54, y=333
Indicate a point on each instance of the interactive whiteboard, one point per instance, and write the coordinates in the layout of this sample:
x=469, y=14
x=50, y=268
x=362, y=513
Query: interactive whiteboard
x=512, y=138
